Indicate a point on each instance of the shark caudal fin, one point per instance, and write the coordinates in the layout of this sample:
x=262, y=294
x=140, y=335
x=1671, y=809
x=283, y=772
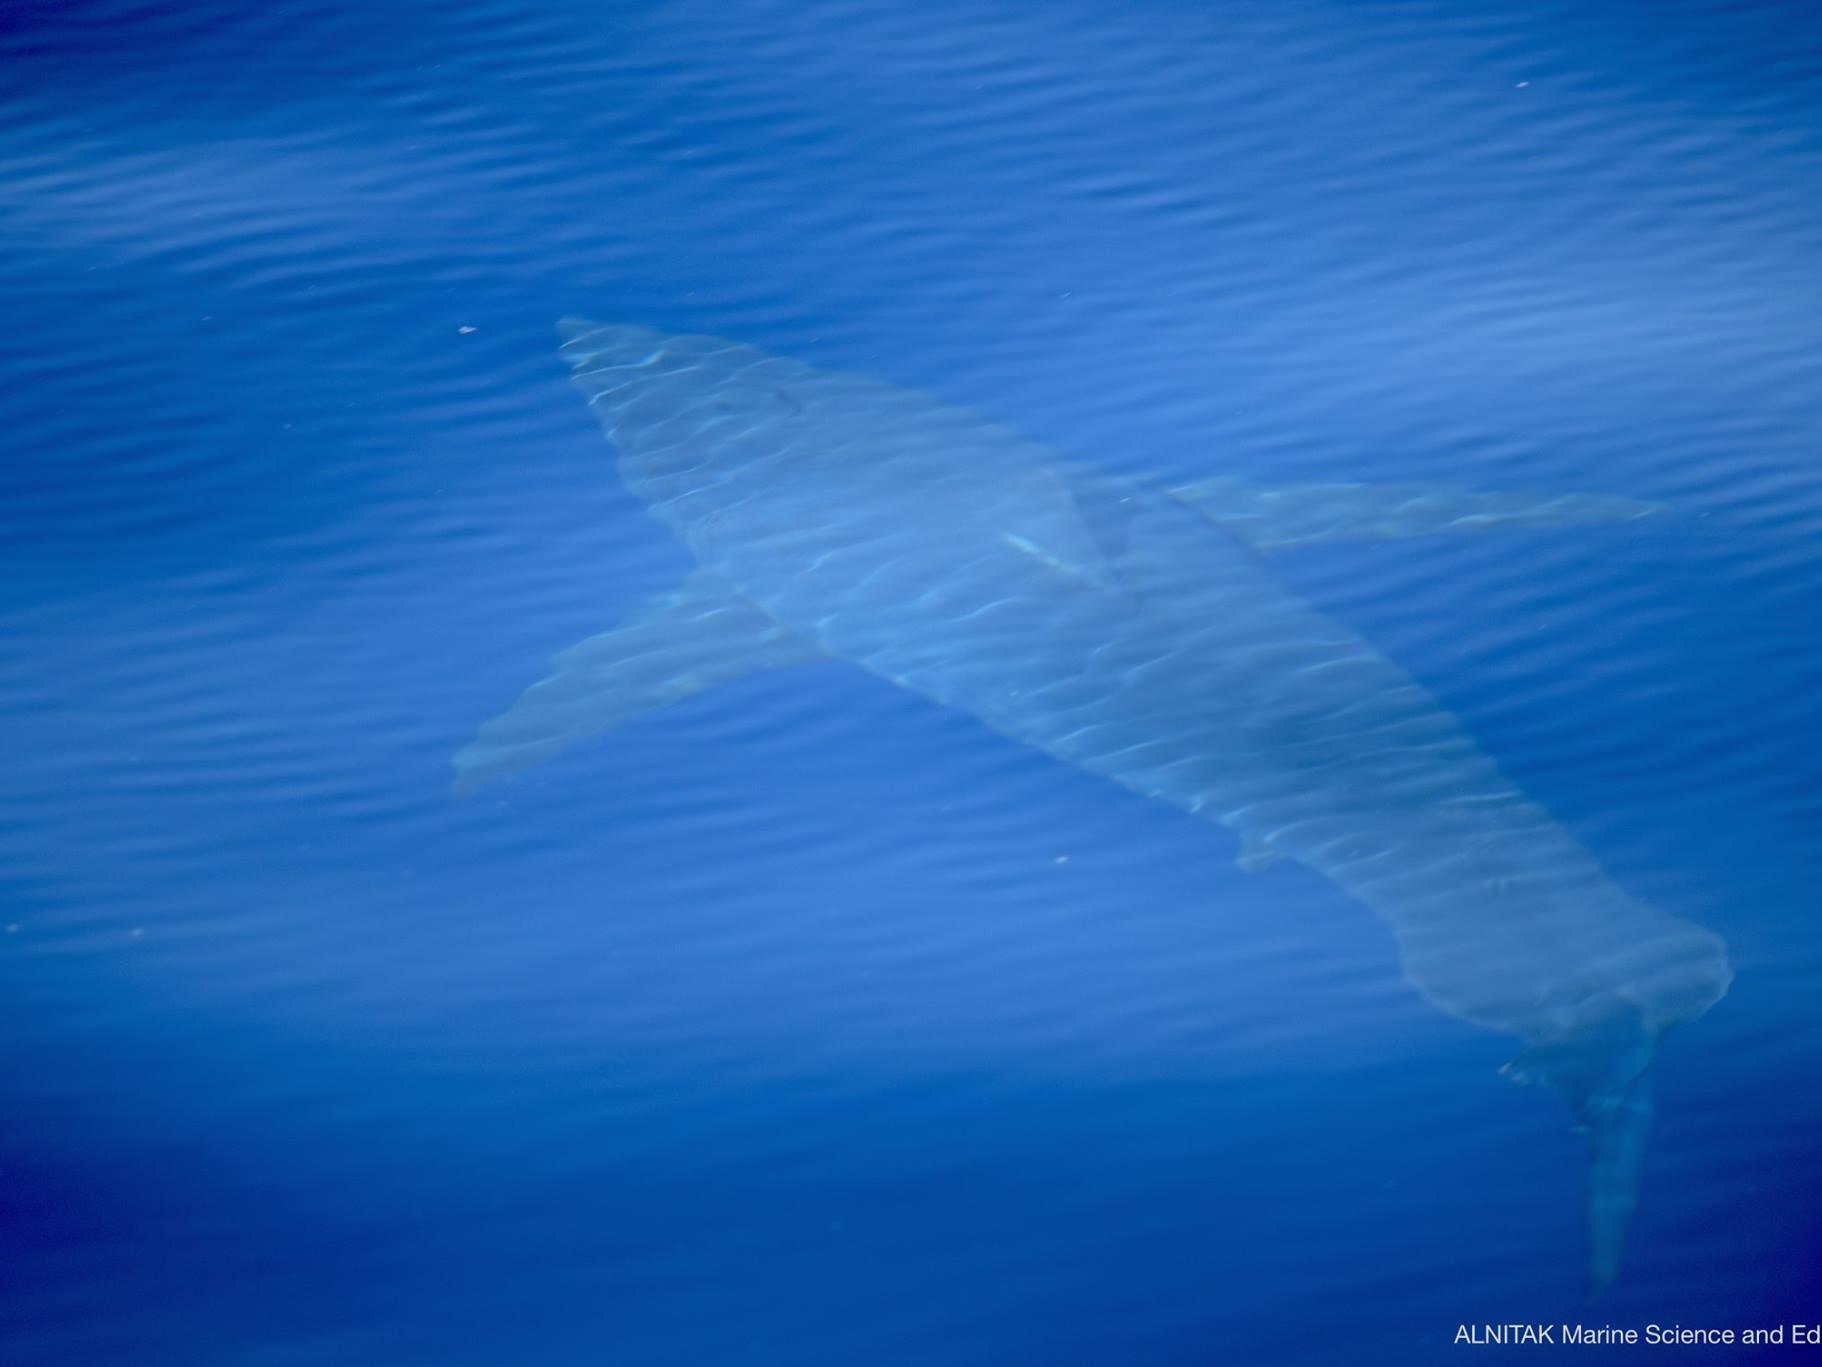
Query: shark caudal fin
x=1271, y=518
x=1603, y=1067
x=1617, y=1120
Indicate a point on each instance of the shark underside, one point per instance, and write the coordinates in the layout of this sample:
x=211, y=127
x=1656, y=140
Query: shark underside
x=1135, y=632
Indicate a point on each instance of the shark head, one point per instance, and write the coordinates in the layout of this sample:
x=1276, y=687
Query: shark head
x=608, y=343
x=700, y=423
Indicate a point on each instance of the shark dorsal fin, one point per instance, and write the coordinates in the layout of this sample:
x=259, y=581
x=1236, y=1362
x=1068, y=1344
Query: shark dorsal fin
x=1037, y=514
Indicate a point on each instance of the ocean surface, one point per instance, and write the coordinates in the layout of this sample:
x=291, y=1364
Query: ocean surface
x=805, y=1022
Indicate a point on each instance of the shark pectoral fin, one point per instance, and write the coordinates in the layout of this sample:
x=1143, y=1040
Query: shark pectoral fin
x=1603, y=1067
x=1269, y=518
x=677, y=644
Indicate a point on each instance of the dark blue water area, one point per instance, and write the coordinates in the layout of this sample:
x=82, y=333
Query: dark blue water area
x=805, y=1022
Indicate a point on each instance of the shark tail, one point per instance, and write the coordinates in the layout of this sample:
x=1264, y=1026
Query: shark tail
x=1617, y=1120
x=1602, y=1065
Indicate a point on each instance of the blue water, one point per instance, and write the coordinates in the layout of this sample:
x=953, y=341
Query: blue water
x=805, y=1023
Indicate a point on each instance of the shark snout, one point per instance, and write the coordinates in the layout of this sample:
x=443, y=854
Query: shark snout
x=607, y=344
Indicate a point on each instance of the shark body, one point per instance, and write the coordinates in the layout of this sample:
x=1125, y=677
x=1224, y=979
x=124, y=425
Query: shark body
x=1135, y=633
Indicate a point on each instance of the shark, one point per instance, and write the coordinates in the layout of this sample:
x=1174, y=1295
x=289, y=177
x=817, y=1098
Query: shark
x=1136, y=632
